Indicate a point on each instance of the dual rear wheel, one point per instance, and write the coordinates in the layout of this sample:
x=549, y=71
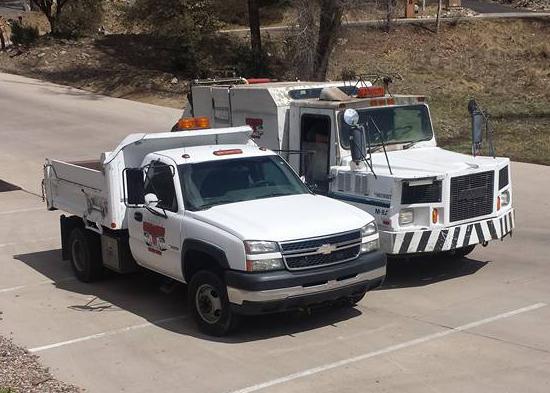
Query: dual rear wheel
x=86, y=259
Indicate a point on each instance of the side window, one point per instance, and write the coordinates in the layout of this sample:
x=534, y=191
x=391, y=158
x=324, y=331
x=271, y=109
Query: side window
x=160, y=181
x=315, y=141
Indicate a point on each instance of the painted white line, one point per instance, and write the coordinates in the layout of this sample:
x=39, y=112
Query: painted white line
x=31, y=209
x=60, y=281
x=29, y=241
x=5, y=290
x=383, y=351
x=105, y=334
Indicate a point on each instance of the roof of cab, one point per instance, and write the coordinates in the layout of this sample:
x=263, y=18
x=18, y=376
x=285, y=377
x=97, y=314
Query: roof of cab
x=195, y=154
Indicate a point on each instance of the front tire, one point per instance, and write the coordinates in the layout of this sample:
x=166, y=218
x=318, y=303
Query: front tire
x=354, y=299
x=209, y=304
x=86, y=259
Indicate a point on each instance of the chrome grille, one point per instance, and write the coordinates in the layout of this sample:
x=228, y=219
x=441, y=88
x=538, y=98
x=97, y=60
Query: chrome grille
x=321, y=251
x=471, y=195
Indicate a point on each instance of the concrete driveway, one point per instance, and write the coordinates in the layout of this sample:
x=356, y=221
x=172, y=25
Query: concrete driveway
x=474, y=325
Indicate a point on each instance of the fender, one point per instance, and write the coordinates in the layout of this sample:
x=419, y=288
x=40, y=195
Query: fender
x=201, y=246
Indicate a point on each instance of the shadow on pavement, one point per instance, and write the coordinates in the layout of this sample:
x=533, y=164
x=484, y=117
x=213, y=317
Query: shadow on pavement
x=421, y=271
x=140, y=294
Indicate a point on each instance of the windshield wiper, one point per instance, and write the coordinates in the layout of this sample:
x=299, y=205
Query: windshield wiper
x=409, y=145
x=211, y=204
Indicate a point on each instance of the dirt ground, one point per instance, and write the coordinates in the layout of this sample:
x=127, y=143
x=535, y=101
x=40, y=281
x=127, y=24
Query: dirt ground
x=20, y=372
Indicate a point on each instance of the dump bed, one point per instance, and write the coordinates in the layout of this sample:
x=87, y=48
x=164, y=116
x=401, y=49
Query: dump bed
x=94, y=190
x=78, y=188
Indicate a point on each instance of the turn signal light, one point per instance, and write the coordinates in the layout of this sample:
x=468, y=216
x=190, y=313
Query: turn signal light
x=435, y=216
x=187, y=123
x=202, y=122
x=192, y=123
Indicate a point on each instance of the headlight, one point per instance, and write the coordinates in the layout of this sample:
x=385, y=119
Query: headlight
x=406, y=216
x=505, y=198
x=260, y=247
x=369, y=246
x=369, y=229
x=262, y=265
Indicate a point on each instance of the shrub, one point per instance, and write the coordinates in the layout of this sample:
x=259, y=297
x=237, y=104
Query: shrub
x=80, y=18
x=23, y=35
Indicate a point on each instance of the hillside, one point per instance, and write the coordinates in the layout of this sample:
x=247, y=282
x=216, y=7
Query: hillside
x=504, y=64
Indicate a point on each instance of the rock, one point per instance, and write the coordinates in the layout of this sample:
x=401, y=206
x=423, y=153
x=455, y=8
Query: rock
x=174, y=81
x=63, y=52
x=40, y=55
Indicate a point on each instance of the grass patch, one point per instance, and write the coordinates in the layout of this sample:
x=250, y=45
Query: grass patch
x=503, y=64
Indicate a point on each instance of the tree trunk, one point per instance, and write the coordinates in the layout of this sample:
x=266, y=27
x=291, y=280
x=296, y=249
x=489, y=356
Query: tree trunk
x=52, y=22
x=388, y=16
x=330, y=21
x=2, y=42
x=438, y=18
x=255, y=34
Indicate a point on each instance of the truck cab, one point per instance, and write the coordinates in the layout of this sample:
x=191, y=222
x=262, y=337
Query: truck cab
x=212, y=209
x=425, y=199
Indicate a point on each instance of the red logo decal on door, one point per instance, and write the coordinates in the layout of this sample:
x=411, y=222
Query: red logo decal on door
x=257, y=126
x=154, y=238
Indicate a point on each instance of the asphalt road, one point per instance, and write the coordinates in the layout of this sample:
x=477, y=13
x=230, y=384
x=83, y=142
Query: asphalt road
x=479, y=324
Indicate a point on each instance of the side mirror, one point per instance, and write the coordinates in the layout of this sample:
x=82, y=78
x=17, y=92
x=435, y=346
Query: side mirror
x=477, y=126
x=151, y=200
x=134, y=187
x=351, y=117
x=357, y=144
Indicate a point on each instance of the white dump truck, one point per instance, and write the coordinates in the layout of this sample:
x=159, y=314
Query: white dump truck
x=425, y=199
x=212, y=209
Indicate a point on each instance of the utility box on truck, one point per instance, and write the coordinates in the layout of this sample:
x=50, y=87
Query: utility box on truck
x=425, y=199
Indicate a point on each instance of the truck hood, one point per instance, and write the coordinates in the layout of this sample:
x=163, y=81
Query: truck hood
x=431, y=161
x=284, y=218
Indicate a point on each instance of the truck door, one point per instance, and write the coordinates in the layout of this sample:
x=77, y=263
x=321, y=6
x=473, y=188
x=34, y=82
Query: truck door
x=156, y=233
x=221, y=102
x=315, y=143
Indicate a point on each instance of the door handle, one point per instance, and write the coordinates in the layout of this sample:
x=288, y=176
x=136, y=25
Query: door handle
x=138, y=216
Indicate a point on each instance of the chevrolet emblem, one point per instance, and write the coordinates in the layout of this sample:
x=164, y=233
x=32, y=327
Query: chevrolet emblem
x=326, y=249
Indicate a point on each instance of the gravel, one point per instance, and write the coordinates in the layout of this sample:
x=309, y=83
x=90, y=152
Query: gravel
x=20, y=372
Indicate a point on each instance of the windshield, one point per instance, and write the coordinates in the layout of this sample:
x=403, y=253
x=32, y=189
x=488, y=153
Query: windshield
x=400, y=124
x=219, y=182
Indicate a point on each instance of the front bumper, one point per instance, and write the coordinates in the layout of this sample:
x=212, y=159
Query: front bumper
x=448, y=238
x=259, y=293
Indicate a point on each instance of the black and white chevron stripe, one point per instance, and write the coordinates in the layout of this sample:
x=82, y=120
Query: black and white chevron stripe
x=454, y=237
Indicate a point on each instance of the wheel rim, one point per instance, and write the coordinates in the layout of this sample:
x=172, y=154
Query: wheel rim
x=208, y=303
x=78, y=255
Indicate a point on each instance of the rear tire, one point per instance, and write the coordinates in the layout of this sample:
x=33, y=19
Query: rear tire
x=209, y=304
x=86, y=259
